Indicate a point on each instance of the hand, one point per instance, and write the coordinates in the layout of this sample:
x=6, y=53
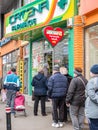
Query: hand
x=68, y=104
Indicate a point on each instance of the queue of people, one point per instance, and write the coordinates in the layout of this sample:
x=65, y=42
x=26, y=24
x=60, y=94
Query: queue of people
x=56, y=86
x=75, y=94
x=67, y=93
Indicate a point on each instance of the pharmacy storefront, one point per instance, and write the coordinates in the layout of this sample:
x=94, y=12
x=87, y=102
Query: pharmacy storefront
x=29, y=23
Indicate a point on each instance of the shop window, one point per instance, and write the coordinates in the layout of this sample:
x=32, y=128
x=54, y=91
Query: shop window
x=47, y=45
x=61, y=53
x=26, y=51
x=4, y=71
x=9, y=61
x=4, y=59
x=14, y=56
x=8, y=58
x=91, y=48
x=37, y=53
x=43, y=52
x=8, y=68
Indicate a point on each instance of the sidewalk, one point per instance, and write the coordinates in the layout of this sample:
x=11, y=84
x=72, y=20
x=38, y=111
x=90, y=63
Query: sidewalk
x=30, y=122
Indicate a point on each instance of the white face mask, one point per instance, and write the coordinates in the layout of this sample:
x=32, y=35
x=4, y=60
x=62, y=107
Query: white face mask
x=75, y=75
x=91, y=74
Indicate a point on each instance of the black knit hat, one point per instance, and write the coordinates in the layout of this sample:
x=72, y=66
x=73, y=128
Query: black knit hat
x=94, y=69
x=13, y=69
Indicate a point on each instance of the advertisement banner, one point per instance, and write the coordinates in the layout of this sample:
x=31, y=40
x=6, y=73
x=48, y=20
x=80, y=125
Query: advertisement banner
x=53, y=35
x=38, y=14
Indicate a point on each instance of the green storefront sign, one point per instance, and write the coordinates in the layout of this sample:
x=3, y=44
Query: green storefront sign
x=38, y=14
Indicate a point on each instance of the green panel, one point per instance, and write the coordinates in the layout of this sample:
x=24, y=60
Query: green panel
x=55, y=20
x=30, y=69
x=76, y=7
x=71, y=51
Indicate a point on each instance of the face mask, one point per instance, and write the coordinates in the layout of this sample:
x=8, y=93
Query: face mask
x=75, y=75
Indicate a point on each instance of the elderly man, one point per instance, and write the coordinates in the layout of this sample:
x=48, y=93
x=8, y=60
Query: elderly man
x=57, y=89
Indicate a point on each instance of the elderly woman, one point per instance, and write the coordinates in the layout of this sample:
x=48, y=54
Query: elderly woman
x=91, y=104
x=40, y=91
x=76, y=99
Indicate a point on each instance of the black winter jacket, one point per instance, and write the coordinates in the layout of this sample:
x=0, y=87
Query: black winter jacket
x=76, y=91
x=40, y=84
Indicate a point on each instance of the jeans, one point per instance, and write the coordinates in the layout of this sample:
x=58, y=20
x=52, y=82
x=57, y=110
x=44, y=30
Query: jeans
x=11, y=94
x=77, y=116
x=93, y=124
x=36, y=102
x=58, y=109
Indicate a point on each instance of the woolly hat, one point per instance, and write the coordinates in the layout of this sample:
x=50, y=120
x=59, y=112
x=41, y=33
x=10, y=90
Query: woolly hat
x=13, y=69
x=78, y=70
x=56, y=68
x=94, y=69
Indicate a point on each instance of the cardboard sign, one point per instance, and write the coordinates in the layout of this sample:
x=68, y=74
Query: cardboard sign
x=53, y=35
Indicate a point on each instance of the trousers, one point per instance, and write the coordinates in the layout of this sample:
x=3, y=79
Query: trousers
x=36, y=102
x=58, y=109
x=77, y=116
x=11, y=94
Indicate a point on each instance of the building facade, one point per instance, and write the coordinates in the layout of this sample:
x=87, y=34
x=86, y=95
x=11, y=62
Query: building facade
x=85, y=43
x=30, y=47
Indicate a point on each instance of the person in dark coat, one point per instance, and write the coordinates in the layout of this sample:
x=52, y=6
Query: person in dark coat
x=75, y=99
x=57, y=88
x=64, y=71
x=40, y=91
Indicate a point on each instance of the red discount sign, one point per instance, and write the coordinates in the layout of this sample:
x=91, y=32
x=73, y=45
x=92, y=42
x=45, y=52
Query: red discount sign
x=53, y=35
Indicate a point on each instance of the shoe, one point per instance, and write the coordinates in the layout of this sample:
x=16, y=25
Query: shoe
x=56, y=125
x=44, y=114
x=35, y=114
x=61, y=124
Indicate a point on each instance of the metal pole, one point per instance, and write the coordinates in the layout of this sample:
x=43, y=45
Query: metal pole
x=8, y=118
